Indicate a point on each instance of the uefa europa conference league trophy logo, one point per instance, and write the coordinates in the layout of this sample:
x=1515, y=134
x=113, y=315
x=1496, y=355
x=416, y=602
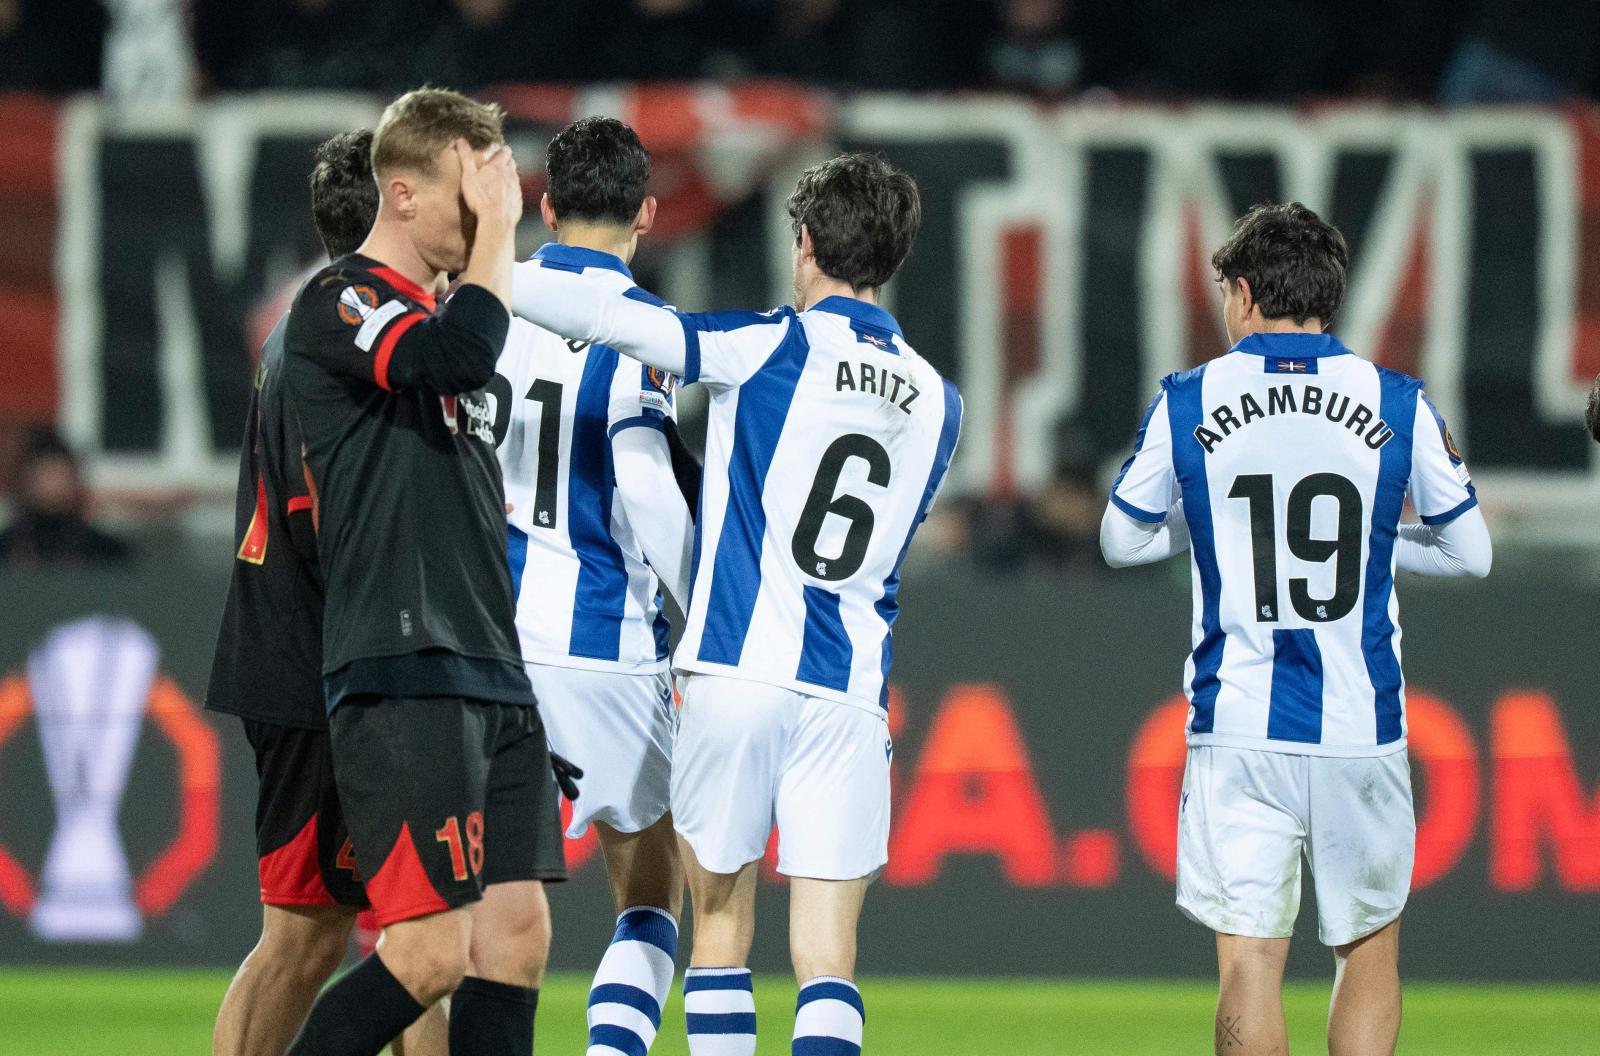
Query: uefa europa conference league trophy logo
x=90, y=681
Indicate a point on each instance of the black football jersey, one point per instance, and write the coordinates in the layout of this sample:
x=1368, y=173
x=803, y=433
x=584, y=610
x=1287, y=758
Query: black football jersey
x=410, y=508
x=268, y=664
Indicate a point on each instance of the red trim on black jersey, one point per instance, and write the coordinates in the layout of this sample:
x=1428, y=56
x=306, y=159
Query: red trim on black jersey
x=404, y=285
x=311, y=486
x=253, y=548
x=401, y=890
x=380, y=361
x=298, y=503
x=291, y=875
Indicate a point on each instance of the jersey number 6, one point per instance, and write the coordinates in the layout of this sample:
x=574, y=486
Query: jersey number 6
x=822, y=501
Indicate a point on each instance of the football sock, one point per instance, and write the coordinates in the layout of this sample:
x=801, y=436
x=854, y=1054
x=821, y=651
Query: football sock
x=358, y=1015
x=719, y=1006
x=632, y=983
x=828, y=1018
x=492, y=1019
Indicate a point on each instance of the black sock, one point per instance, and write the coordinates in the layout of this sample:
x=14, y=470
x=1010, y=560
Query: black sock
x=492, y=1019
x=358, y=1015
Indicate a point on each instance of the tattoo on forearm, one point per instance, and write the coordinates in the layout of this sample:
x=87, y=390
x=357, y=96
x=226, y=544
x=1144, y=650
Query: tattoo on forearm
x=1228, y=1031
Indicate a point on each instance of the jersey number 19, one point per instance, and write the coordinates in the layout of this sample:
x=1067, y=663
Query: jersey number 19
x=1344, y=549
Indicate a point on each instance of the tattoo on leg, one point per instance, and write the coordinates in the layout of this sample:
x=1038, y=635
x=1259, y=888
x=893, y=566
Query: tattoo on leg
x=1228, y=1032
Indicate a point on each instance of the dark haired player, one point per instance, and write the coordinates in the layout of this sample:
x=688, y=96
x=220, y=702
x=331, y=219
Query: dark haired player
x=439, y=755
x=598, y=525
x=827, y=442
x=1284, y=466
x=268, y=671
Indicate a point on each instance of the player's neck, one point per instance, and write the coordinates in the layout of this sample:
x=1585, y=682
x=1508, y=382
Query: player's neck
x=391, y=249
x=822, y=287
x=1259, y=325
x=602, y=238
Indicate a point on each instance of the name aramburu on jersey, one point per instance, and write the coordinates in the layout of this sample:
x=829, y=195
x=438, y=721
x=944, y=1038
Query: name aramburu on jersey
x=1293, y=399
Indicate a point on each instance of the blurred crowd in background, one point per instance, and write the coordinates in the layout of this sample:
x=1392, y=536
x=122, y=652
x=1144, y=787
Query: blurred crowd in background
x=1449, y=51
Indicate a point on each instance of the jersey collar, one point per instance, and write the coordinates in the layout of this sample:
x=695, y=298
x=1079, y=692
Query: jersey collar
x=405, y=286
x=573, y=258
x=862, y=312
x=1291, y=346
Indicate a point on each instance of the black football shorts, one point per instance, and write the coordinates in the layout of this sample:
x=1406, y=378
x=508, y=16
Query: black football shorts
x=444, y=796
x=302, y=848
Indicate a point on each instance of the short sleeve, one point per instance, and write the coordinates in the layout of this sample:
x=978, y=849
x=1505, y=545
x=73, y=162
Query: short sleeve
x=725, y=349
x=1144, y=488
x=641, y=396
x=1441, y=488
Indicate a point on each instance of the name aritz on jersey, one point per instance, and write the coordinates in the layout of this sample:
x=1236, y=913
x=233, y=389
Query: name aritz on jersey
x=1284, y=400
x=877, y=381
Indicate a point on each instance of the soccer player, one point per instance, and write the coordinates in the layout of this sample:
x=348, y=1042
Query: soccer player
x=596, y=518
x=268, y=671
x=438, y=751
x=827, y=441
x=1284, y=466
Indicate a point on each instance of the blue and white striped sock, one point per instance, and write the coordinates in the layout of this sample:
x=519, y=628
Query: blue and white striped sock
x=632, y=983
x=828, y=1018
x=720, y=1008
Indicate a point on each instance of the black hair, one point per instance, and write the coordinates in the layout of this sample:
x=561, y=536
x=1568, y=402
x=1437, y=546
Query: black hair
x=1591, y=416
x=599, y=172
x=344, y=195
x=1294, y=261
x=863, y=215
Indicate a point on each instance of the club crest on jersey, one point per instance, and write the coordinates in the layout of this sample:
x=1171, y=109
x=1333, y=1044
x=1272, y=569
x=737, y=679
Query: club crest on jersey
x=356, y=303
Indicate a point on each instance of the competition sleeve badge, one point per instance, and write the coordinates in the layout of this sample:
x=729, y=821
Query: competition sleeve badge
x=656, y=389
x=356, y=303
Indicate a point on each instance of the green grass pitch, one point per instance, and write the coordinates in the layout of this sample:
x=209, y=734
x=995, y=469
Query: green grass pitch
x=50, y=1012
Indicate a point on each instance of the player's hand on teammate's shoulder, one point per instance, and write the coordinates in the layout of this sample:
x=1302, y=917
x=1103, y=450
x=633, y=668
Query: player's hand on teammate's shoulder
x=490, y=187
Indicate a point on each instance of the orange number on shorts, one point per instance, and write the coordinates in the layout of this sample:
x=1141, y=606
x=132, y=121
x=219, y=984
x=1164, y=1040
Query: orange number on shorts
x=346, y=859
x=475, y=840
x=450, y=833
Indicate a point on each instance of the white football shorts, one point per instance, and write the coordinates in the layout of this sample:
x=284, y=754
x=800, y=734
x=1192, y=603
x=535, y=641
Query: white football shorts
x=750, y=755
x=617, y=727
x=1248, y=816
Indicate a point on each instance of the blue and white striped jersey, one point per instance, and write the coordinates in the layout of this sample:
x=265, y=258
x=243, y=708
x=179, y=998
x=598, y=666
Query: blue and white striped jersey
x=586, y=597
x=827, y=441
x=1294, y=459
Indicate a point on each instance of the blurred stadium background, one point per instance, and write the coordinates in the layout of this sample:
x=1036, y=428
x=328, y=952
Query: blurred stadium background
x=1079, y=159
